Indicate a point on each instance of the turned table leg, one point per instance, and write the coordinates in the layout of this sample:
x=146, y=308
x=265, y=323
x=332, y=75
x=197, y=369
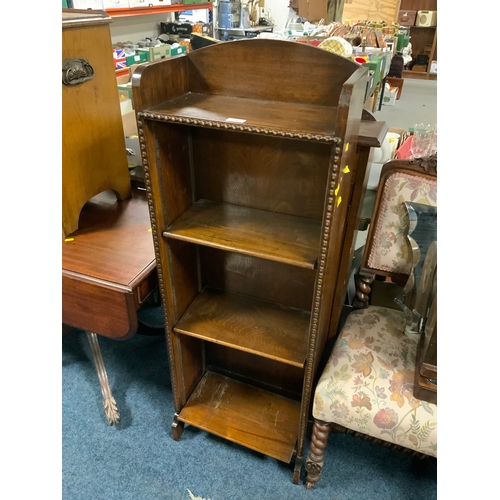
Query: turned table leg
x=316, y=456
x=109, y=402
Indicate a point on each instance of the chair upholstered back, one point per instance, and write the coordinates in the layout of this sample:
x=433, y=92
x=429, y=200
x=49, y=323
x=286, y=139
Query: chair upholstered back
x=387, y=251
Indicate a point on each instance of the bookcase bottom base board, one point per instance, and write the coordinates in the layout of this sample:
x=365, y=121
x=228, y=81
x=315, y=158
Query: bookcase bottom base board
x=257, y=419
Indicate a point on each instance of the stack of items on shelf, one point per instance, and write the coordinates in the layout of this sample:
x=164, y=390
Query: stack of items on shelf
x=420, y=19
x=365, y=34
x=174, y=40
x=127, y=54
x=125, y=4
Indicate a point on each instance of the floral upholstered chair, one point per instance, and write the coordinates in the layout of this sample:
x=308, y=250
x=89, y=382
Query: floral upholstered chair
x=387, y=252
x=366, y=387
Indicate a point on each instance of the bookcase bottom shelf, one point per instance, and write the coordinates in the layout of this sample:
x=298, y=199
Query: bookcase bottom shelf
x=257, y=419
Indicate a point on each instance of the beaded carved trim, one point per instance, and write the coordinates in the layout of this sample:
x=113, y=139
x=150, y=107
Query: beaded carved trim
x=159, y=267
x=318, y=293
x=236, y=127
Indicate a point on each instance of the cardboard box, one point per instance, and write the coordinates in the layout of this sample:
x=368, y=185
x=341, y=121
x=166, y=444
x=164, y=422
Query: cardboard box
x=184, y=30
x=120, y=63
x=403, y=135
x=159, y=52
x=119, y=53
x=396, y=82
x=390, y=97
x=407, y=17
x=176, y=51
x=434, y=68
x=137, y=58
x=419, y=68
x=125, y=106
x=123, y=80
x=125, y=90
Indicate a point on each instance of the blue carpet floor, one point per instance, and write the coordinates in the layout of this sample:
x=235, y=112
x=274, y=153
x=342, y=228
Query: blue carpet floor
x=139, y=460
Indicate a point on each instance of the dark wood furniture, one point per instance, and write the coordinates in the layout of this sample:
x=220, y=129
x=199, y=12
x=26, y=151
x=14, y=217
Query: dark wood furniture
x=254, y=182
x=108, y=272
x=93, y=144
x=420, y=302
x=423, y=39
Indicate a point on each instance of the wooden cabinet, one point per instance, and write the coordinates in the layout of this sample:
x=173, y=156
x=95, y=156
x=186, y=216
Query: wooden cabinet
x=423, y=39
x=250, y=167
x=94, y=156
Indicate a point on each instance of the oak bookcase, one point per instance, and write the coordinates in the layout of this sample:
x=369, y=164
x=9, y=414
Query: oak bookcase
x=250, y=157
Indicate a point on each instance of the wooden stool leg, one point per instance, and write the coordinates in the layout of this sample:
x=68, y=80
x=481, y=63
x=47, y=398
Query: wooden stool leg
x=109, y=402
x=316, y=456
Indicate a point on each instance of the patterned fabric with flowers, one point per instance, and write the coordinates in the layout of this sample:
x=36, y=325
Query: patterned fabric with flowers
x=390, y=249
x=367, y=384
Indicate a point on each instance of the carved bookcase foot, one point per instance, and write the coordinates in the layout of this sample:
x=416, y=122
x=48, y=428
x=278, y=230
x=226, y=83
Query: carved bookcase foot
x=316, y=456
x=110, y=407
x=298, y=467
x=177, y=428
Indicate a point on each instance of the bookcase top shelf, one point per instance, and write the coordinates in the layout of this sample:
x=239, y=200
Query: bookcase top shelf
x=286, y=119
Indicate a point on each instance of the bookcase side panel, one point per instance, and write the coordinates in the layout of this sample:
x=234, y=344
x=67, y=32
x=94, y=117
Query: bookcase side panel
x=335, y=222
x=172, y=156
x=159, y=81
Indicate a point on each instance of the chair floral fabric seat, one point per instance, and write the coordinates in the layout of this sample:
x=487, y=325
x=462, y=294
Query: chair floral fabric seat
x=367, y=384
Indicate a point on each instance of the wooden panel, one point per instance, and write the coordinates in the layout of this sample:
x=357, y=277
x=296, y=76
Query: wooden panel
x=278, y=237
x=241, y=61
x=267, y=173
x=174, y=175
x=100, y=309
x=93, y=143
x=229, y=409
x=265, y=373
x=313, y=10
x=276, y=117
x=418, y=5
x=248, y=324
x=184, y=273
x=268, y=280
x=368, y=10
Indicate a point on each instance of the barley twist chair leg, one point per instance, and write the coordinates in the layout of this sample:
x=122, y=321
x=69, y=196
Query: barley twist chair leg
x=316, y=456
x=109, y=402
x=363, y=291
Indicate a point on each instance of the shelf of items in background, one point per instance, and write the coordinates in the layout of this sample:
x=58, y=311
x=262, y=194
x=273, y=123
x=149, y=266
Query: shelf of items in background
x=144, y=11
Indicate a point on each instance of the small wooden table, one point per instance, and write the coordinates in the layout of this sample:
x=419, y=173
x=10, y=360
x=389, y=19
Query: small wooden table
x=108, y=272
